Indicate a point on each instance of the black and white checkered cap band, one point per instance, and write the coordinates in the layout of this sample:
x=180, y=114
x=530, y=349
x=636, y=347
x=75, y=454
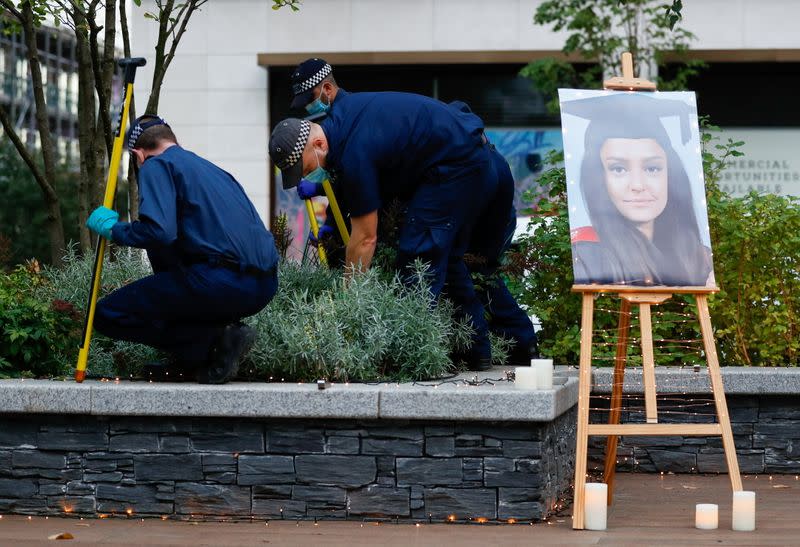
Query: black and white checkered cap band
x=140, y=128
x=313, y=80
x=299, y=146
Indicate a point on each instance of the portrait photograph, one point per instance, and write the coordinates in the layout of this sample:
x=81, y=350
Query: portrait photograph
x=635, y=188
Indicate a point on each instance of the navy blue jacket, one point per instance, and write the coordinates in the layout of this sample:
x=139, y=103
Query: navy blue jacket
x=189, y=204
x=384, y=145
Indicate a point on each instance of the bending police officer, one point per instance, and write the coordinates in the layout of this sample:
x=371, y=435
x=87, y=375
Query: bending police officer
x=385, y=146
x=316, y=90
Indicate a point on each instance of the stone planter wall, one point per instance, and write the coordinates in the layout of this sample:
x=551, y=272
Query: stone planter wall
x=272, y=469
x=764, y=409
x=766, y=431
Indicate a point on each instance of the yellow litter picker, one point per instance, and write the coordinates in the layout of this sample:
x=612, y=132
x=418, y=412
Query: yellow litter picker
x=337, y=216
x=129, y=66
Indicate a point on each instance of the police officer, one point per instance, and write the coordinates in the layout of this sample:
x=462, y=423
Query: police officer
x=214, y=262
x=385, y=146
x=315, y=89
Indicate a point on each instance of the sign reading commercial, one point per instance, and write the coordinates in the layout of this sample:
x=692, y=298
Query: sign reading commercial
x=770, y=165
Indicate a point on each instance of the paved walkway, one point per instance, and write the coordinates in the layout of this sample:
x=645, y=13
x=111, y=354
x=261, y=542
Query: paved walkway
x=648, y=510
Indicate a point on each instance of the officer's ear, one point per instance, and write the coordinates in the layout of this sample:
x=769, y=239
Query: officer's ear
x=138, y=153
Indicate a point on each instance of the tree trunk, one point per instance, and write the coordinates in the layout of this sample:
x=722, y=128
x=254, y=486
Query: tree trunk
x=55, y=225
x=86, y=128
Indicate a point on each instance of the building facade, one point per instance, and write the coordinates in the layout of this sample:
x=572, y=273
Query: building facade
x=59, y=67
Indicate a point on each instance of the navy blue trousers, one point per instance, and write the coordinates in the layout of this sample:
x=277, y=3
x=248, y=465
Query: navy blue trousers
x=438, y=224
x=182, y=309
x=491, y=238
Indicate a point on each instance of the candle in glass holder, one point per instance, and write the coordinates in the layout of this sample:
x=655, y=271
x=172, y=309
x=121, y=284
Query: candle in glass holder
x=595, y=506
x=525, y=378
x=706, y=516
x=544, y=372
x=744, y=511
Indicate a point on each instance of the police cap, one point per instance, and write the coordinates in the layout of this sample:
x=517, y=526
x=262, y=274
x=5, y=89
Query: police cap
x=306, y=77
x=286, y=147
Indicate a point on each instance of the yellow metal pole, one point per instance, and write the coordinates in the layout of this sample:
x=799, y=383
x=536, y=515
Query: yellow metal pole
x=130, y=66
x=337, y=213
x=312, y=219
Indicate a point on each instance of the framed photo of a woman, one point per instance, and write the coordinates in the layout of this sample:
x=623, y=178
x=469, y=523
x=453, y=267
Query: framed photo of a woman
x=635, y=189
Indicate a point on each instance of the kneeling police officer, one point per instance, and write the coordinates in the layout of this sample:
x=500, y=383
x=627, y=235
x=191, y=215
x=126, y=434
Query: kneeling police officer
x=213, y=260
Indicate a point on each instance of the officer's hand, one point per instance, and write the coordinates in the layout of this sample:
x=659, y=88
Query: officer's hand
x=325, y=231
x=102, y=220
x=307, y=189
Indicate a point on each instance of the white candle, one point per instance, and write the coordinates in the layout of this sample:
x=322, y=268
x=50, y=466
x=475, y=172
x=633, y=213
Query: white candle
x=595, y=506
x=544, y=373
x=744, y=511
x=525, y=378
x=706, y=516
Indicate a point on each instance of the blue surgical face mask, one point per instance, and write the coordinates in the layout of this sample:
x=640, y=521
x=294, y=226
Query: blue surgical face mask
x=317, y=106
x=319, y=174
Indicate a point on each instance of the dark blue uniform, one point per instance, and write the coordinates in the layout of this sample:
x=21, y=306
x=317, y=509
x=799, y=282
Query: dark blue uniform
x=385, y=146
x=214, y=261
x=489, y=241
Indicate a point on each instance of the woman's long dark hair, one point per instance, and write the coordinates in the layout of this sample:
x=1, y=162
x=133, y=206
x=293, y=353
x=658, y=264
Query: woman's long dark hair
x=680, y=257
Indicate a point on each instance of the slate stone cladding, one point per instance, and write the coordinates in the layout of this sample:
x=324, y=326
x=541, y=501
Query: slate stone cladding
x=290, y=469
x=766, y=431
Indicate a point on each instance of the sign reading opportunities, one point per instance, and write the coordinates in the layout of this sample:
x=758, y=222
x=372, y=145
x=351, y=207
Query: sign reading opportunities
x=770, y=165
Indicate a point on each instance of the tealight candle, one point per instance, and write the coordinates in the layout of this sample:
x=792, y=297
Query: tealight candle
x=544, y=373
x=744, y=511
x=596, y=506
x=525, y=377
x=706, y=516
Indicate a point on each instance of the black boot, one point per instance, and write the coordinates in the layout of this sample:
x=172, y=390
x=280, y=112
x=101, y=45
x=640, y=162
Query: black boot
x=226, y=354
x=479, y=363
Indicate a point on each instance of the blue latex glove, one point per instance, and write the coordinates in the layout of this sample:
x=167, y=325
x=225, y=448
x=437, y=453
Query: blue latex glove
x=307, y=189
x=102, y=220
x=324, y=231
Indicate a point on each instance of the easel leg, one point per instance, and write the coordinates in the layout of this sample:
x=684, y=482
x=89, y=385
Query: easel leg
x=623, y=327
x=719, y=391
x=582, y=441
x=648, y=365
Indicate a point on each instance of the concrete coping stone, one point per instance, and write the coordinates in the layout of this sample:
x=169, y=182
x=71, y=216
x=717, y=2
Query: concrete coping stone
x=691, y=380
x=492, y=398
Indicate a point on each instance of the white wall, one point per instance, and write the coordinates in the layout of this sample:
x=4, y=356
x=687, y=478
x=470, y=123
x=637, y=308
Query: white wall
x=215, y=94
x=478, y=25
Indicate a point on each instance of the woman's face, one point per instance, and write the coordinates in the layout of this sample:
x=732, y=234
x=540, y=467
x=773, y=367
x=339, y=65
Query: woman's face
x=635, y=172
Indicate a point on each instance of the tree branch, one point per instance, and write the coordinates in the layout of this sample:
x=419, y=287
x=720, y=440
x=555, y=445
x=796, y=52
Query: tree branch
x=9, y=6
x=10, y=131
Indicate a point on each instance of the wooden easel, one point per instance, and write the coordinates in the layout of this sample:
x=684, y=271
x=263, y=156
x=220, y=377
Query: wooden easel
x=644, y=297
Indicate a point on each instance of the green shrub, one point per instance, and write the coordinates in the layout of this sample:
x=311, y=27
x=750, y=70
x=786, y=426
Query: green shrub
x=316, y=326
x=70, y=282
x=37, y=336
x=368, y=329
x=757, y=266
x=756, y=252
